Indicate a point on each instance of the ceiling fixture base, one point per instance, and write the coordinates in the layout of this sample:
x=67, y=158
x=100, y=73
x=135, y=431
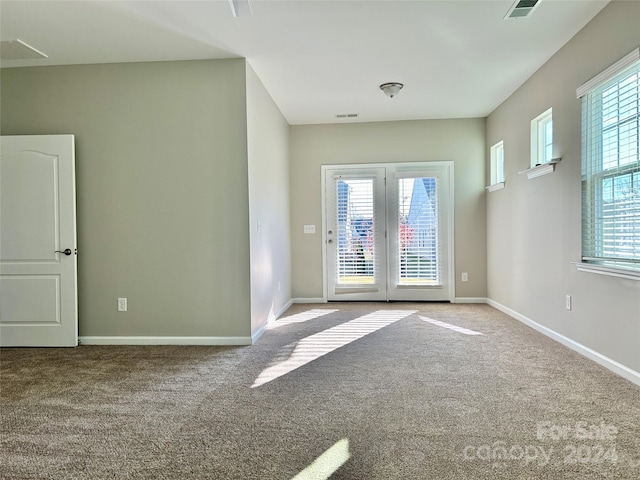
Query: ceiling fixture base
x=391, y=89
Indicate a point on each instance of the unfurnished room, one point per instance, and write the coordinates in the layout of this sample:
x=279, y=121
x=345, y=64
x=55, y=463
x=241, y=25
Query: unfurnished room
x=316, y=239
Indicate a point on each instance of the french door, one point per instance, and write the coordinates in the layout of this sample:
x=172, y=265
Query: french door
x=388, y=232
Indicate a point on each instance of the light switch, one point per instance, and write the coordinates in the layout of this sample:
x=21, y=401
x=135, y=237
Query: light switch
x=309, y=229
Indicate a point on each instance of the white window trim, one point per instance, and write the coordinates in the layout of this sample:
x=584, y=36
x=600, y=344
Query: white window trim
x=496, y=179
x=537, y=149
x=540, y=170
x=494, y=187
x=608, y=271
x=613, y=70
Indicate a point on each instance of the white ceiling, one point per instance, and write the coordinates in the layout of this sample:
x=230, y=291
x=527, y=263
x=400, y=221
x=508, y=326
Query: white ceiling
x=320, y=58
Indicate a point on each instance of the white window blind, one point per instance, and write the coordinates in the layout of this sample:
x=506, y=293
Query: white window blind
x=418, y=231
x=356, y=259
x=611, y=166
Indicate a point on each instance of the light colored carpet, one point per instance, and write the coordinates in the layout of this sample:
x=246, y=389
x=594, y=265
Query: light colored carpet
x=415, y=399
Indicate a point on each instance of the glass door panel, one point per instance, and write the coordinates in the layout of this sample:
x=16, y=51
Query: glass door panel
x=417, y=243
x=419, y=232
x=355, y=234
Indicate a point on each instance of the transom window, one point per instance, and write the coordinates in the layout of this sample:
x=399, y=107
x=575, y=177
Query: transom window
x=542, y=138
x=497, y=163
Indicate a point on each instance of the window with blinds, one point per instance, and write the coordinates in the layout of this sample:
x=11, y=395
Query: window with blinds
x=356, y=252
x=611, y=166
x=418, y=231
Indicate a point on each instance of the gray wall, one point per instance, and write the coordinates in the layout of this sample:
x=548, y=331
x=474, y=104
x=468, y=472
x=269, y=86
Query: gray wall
x=534, y=225
x=268, y=149
x=462, y=141
x=162, y=189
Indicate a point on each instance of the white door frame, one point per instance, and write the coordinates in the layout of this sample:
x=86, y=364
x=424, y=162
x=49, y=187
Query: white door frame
x=447, y=164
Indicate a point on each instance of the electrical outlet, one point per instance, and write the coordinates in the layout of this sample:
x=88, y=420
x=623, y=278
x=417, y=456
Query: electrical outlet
x=122, y=304
x=567, y=302
x=465, y=276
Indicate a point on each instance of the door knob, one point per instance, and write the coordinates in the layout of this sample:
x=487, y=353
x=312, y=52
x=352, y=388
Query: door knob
x=329, y=241
x=66, y=251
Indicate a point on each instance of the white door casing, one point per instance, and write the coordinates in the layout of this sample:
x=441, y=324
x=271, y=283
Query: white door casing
x=407, y=238
x=38, y=280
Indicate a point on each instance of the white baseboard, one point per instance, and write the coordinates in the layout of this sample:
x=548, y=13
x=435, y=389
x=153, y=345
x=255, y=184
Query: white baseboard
x=284, y=308
x=309, y=300
x=263, y=328
x=121, y=340
x=469, y=300
x=597, y=357
x=455, y=300
x=258, y=333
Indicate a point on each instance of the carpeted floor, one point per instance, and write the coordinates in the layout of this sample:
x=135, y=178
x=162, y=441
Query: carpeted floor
x=447, y=392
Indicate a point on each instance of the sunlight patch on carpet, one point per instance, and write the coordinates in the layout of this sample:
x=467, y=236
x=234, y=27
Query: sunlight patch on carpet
x=327, y=463
x=300, y=317
x=455, y=328
x=315, y=346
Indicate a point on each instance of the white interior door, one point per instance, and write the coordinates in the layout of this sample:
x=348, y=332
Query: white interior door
x=38, y=265
x=389, y=232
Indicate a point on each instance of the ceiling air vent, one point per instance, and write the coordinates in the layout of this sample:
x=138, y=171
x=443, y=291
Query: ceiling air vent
x=522, y=8
x=347, y=115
